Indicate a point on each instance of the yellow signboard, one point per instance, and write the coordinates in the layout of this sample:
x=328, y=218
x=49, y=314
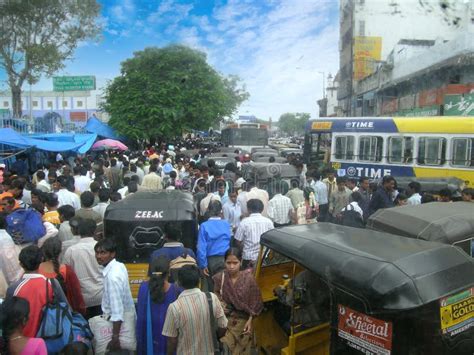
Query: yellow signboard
x=457, y=312
x=367, y=51
x=321, y=125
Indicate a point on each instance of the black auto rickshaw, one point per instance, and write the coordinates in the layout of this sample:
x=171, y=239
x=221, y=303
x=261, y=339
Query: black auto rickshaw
x=137, y=224
x=331, y=289
x=449, y=223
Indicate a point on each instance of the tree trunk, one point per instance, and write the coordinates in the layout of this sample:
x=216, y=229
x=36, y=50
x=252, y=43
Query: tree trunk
x=16, y=101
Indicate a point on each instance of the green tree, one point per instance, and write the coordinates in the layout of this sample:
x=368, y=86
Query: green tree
x=37, y=36
x=163, y=92
x=293, y=123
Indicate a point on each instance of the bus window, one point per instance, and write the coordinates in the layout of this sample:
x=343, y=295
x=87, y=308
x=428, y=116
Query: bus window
x=344, y=147
x=370, y=148
x=400, y=150
x=431, y=150
x=463, y=154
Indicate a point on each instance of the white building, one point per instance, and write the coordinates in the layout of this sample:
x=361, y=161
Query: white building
x=74, y=106
x=370, y=29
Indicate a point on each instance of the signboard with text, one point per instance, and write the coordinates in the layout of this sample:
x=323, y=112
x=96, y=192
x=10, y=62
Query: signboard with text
x=457, y=312
x=367, y=52
x=459, y=105
x=74, y=83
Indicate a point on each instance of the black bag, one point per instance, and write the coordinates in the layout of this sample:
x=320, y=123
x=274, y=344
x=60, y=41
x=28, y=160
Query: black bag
x=352, y=218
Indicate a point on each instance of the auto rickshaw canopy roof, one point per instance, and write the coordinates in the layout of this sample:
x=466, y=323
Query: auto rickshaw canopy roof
x=167, y=205
x=435, y=221
x=388, y=272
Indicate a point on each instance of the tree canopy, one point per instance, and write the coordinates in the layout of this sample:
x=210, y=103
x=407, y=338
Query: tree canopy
x=293, y=123
x=166, y=91
x=36, y=37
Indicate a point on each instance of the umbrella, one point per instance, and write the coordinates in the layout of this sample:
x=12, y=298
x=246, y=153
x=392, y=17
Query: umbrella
x=109, y=144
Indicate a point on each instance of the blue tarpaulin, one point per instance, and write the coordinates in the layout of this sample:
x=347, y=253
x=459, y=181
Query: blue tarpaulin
x=94, y=125
x=55, y=142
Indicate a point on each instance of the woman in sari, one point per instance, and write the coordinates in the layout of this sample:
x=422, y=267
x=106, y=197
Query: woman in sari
x=154, y=297
x=241, y=300
x=307, y=211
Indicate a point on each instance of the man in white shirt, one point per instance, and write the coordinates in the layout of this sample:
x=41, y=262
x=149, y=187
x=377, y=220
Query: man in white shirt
x=66, y=197
x=117, y=301
x=260, y=194
x=81, y=257
x=414, y=189
x=232, y=210
x=81, y=181
x=280, y=208
x=321, y=194
x=250, y=230
x=42, y=184
x=104, y=196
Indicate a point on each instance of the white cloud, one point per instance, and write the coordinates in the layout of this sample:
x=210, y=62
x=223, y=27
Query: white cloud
x=169, y=11
x=123, y=12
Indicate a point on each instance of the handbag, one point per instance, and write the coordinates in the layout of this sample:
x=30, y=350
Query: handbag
x=59, y=325
x=215, y=341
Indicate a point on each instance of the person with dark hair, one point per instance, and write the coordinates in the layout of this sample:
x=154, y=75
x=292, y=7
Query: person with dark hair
x=426, y=198
x=187, y=324
x=67, y=278
x=114, y=176
x=132, y=188
x=330, y=181
x=241, y=295
x=81, y=181
x=94, y=187
x=115, y=196
x=124, y=190
x=65, y=213
x=232, y=211
x=307, y=211
x=41, y=183
x=213, y=242
x=445, y=195
x=14, y=316
x=414, y=190
x=86, y=211
x=401, y=200
x=104, y=196
x=152, y=181
x=295, y=194
x=31, y=287
x=117, y=302
x=280, y=207
x=159, y=293
x=354, y=205
x=339, y=199
x=65, y=196
x=249, y=232
x=382, y=197
x=52, y=215
x=81, y=257
x=172, y=248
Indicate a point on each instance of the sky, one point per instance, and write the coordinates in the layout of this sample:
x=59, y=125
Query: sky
x=281, y=49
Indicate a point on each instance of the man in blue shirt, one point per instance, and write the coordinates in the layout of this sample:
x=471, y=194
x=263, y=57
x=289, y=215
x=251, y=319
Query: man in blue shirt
x=213, y=241
x=172, y=248
x=382, y=198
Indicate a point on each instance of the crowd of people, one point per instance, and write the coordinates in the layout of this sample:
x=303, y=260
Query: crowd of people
x=62, y=207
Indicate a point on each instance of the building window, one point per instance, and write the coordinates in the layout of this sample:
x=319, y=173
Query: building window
x=49, y=104
x=5, y=104
x=344, y=148
x=79, y=104
x=64, y=103
x=370, y=148
x=431, y=150
x=35, y=103
x=463, y=154
x=400, y=150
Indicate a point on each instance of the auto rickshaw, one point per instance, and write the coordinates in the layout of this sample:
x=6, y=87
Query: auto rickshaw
x=137, y=225
x=331, y=289
x=263, y=173
x=449, y=223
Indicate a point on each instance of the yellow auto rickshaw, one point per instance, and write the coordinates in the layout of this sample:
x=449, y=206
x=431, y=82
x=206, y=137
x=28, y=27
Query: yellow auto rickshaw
x=331, y=289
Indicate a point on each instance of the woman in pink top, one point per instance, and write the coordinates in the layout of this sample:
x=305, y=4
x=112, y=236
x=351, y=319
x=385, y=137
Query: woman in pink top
x=14, y=315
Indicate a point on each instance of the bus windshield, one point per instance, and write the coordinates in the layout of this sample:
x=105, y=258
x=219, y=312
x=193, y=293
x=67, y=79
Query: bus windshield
x=245, y=136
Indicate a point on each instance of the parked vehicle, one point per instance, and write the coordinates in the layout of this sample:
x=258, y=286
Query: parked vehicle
x=331, y=289
x=449, y=223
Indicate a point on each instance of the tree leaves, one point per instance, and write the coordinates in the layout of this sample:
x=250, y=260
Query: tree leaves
x=293, y=123
x=166, y=91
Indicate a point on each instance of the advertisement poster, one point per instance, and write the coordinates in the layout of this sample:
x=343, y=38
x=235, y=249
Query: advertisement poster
x=366, y=334
x=457, y=312
x=367, y=52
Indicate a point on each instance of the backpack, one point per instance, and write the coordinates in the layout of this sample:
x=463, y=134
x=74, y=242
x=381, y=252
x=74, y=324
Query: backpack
x=25, y=225
x=352, y=218
x=178, y=263
x=61, y=326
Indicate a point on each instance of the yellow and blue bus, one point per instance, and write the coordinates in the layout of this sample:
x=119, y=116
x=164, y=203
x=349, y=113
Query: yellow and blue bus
x=419, y=147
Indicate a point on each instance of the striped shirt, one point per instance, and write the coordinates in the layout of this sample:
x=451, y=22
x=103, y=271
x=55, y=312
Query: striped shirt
x=280, y=208
x=249, y=232
x=188, y=319
x=81, y=257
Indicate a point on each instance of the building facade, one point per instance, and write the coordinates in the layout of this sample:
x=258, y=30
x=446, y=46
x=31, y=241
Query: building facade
x=393, y=38
x=73, y=106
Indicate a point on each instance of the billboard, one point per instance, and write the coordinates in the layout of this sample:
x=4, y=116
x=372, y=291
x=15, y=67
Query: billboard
x=367, y=51
x=459, y=105
x=74, y=83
